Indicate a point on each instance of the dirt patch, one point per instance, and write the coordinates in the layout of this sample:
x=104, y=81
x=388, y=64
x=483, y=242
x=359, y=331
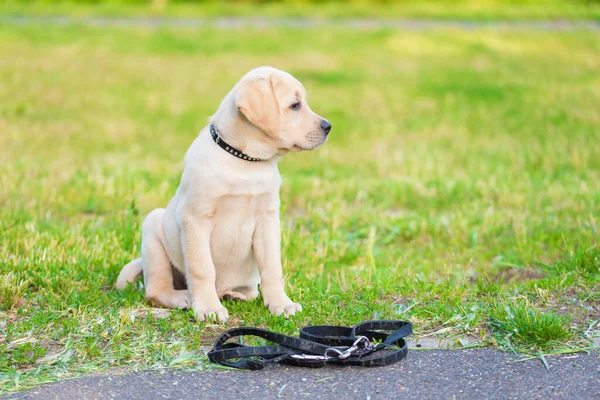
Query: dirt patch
x=155, y=313
x=512, y=275
x=577, y=305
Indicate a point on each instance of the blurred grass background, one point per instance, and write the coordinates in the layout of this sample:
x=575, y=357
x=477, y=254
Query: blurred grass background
x=480, y=10
x=460, y=187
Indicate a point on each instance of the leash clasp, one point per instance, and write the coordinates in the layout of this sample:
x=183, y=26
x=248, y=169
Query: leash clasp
x=215, y=134
x=308, y=357
x=360, y=345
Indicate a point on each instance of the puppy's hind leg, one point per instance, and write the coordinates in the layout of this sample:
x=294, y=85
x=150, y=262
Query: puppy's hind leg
x=158, y=276
x=231, y=295
x=243, y=293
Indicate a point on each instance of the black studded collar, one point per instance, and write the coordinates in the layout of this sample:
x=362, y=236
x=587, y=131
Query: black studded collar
x=229, y=148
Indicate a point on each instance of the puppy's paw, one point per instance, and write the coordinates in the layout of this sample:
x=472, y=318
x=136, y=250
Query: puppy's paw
x=213, y=312
x=287, y=309
x=181, y=300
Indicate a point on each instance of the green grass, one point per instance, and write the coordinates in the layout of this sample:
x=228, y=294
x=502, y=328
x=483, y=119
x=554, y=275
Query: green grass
x=439, y=10
x=461, y=180
x=526, y=327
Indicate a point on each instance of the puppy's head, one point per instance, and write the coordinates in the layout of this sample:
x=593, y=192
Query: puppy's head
x=275, y=102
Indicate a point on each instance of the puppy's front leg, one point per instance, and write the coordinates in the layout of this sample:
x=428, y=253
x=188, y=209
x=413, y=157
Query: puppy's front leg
x=267, y=250
x=200, y=269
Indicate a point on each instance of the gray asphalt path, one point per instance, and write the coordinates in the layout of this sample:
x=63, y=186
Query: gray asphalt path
x=438, y=374
x=267, y=22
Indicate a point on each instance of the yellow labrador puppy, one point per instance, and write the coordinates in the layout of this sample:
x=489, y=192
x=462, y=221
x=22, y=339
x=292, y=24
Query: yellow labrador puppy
x=221, y=230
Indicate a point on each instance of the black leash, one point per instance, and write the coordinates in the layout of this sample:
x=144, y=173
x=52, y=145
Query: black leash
x=362, y=345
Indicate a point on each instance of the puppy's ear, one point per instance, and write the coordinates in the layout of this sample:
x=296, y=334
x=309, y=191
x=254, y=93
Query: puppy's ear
x=256, y=99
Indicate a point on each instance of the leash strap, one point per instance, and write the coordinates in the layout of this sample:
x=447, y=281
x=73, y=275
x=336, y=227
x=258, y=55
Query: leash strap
x=368, y=344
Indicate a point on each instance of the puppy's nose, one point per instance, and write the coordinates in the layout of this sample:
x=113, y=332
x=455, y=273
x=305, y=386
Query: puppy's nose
x=326, y=126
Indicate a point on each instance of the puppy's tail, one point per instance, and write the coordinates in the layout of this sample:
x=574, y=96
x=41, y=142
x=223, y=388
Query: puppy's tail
x=129, y=273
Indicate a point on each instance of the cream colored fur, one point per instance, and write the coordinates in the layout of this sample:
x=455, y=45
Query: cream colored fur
x=221, y=230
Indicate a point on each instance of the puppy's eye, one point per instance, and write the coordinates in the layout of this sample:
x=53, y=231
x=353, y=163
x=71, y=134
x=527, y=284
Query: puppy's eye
x=296, y=106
